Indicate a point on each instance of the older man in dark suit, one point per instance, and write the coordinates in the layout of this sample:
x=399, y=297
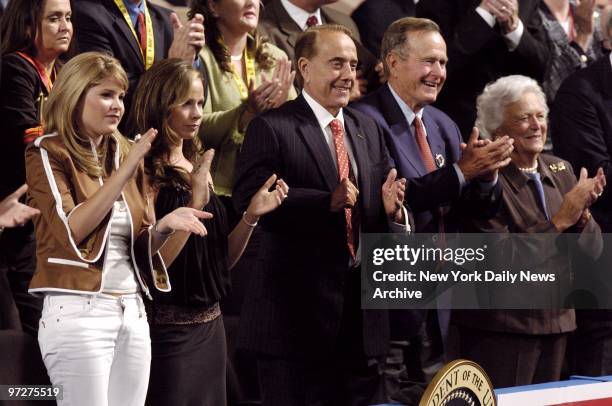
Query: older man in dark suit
x=302, y=314
x=137, y=33
x=282, y=21
x=443, y=179
x=487, y=39
x=581, y=124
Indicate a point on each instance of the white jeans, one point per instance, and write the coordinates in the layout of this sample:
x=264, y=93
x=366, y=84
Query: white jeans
x=97, y=347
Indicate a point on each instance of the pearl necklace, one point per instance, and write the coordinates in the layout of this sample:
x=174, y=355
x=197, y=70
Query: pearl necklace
x=533, y=169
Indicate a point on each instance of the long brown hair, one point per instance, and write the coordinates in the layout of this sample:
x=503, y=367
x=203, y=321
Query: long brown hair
x=63, y=110
x=162, y=88
x=214, y=39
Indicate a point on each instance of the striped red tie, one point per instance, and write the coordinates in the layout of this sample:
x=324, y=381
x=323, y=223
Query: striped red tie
x=342, y=159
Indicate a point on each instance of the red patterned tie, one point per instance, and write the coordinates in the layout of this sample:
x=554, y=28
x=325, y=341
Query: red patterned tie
x=142, y=33
x=342, y=159
x=312, y=20
x=428, y=161
x=421, y=140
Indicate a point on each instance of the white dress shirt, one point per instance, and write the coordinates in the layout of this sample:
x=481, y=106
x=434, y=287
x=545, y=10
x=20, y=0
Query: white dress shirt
x=300, y=16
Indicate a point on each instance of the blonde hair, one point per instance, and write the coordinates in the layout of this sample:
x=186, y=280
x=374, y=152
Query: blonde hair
x=64, y=107
x=161, y=89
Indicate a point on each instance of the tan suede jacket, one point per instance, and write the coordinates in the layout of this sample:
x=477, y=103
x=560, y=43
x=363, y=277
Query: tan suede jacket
x=57, y=188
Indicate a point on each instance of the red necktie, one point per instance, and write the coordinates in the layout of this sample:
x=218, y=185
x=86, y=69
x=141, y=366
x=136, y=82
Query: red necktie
x=342, y=159
x=312, y=20
x=421, y=140
x=430, y=166
x=142, y=33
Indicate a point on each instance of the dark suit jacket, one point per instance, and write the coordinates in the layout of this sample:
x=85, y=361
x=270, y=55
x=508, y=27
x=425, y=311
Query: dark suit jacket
x=427, y=193
x=373, y=17
x=276, y=24
x=521, y=213
x=581, y=127
x=295, y=303
x=478, y=54
x=100, y=26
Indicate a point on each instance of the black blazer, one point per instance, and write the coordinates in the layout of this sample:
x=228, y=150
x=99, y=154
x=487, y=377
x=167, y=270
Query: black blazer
x=295, y=303
x=478, y=54
x=100, y=26
x=373, y=17
x=20, y=99
x=581, y=127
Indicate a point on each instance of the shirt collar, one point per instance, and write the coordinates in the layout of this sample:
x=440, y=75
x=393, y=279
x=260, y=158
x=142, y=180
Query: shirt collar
x=323, y=116
x=611, y=58
x=407, y=111
x=299, y=15
x=133, y=9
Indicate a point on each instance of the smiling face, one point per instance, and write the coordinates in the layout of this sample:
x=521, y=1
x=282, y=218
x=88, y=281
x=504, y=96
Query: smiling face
x=330, y=73
x=103, y=108
x=526, y=122
x=185, y=119
x=237, y=16
x=418, y=72
x=55, y=30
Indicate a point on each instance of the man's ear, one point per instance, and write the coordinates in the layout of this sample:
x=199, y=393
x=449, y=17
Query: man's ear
x=391, y=60
x=304, y=67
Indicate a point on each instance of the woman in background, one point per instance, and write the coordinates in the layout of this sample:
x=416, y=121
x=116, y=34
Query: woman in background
x=187, y=332
x=246, y=76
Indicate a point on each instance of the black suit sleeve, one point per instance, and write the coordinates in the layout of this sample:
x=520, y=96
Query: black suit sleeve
x=578, y=134
x=19, y=110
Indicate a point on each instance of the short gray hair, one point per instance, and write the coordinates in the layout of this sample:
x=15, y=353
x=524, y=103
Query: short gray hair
x=496, y=96
x=396, y=36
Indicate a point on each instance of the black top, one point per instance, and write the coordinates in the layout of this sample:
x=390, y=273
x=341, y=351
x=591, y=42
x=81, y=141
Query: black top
x=20, y=101
x=199, y=275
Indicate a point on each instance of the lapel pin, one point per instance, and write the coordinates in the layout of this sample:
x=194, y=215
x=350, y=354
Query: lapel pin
x=439, y=160
x=558, y=167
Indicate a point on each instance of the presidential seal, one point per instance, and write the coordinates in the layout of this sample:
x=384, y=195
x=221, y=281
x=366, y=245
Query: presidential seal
x=460, y=383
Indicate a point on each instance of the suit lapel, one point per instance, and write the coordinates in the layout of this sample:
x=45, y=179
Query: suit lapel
x=158, y=34
x=400, y=131
x=286, y=23
x=436, y=144
x=312, y=135
x=360, y=153
x=121, y=25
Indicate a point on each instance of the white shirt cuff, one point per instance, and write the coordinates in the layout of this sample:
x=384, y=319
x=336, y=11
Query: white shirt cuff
x=460, y=176
x=488, y=17
x=401, y=228
x=514, y=38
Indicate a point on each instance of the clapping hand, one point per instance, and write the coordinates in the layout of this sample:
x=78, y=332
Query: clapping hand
x=140, y=147
x=188, y=39
x=504, y=11
x=272, y=92
x=579, y=199
x=265, y=201
x=393, y=192
x=12, y=212
x=183, y=219
x=200, y=179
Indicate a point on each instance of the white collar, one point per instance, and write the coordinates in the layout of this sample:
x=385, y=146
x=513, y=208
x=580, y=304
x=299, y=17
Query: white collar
x=611, y=58
x=300, y=16
x=407, y=111
x=323, y=116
